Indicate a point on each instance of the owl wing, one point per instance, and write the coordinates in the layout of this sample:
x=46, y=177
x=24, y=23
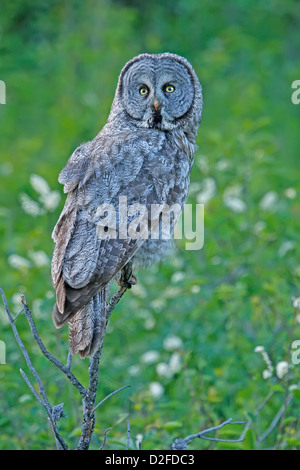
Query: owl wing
x=97, y=173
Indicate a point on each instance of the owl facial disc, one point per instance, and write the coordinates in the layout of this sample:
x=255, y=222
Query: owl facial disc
x=157, y=91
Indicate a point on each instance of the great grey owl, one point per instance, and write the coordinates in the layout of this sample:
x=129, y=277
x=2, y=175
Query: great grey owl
x=144, y=155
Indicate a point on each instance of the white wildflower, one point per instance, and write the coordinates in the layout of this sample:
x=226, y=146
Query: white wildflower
x=265, y=356
x=134, y=370
x=169, y=369
x=149, y=323
x=222, y=164
x=171, y=292
x=178, y=276
x=296, y=302
x=50, y=200
x=234, y=190
x=232, y=199
x=267, y=361
x=150, y=357
x=39, y=184
x=194, y=187
x=208, y=191
x=139, y=291
x=269, y=201
x=16, y=298
x=235, y=204
x=172, y=343
x=156, y=389
x=175, y=362
x=267, y=374
x=285, y=247
x=138, y=440
x=282, y=369
x=195, y=289
x=177, y=262
x=16, y=302
x=18, y=262
x=49, y=294
x=163, y=369
x=290, y=193
x=40, y=258
x=158, y=304
x=30, y=206
x=293, y=387
x=202, y=163
x=37, y=308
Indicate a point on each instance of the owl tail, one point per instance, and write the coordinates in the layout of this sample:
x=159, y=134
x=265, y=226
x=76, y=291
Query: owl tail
x=87, y=327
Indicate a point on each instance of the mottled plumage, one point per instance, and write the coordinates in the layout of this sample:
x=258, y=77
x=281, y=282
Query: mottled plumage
x=144, y=152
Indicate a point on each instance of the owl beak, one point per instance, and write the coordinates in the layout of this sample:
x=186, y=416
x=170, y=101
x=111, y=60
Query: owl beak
x=156, y=104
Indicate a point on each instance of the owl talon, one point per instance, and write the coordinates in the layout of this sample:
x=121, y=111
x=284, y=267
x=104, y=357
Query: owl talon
x=133, y=280
x=128, y=283
x=126, y=278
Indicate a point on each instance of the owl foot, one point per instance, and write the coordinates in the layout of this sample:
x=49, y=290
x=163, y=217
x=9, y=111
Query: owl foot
x=133, y=281
x=126, y=278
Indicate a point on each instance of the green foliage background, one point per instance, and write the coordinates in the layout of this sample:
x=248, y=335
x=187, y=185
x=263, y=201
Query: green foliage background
x=60, y=62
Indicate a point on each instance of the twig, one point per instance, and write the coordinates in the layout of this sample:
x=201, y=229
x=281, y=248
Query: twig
x=65, y=369
x=104, y=438
x=35, y=394
x=14, y=319
x=88, y=401
x=276, y=419
x=44, y=401
x=128, y=435
x=110, y=395
x=181, y=444
x=244, y=432
x=69, y=361
x=260, y=407
x=114, y=300
x=88, y=396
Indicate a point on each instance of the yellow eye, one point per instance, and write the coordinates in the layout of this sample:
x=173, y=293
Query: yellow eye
x=169, y=88
x=144, y=90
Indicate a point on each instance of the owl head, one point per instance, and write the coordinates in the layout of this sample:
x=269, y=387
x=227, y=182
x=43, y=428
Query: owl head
x=158, y=91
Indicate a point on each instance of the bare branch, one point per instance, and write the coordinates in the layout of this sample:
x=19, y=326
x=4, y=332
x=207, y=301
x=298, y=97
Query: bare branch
x=43, y=401
x=88, y=396
x=181, y=444
x=104, y=439
x=35, y=394
x=65, y=369
x=69, y=361
x=110, y=395
x=128, y=435
x=89, y=399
